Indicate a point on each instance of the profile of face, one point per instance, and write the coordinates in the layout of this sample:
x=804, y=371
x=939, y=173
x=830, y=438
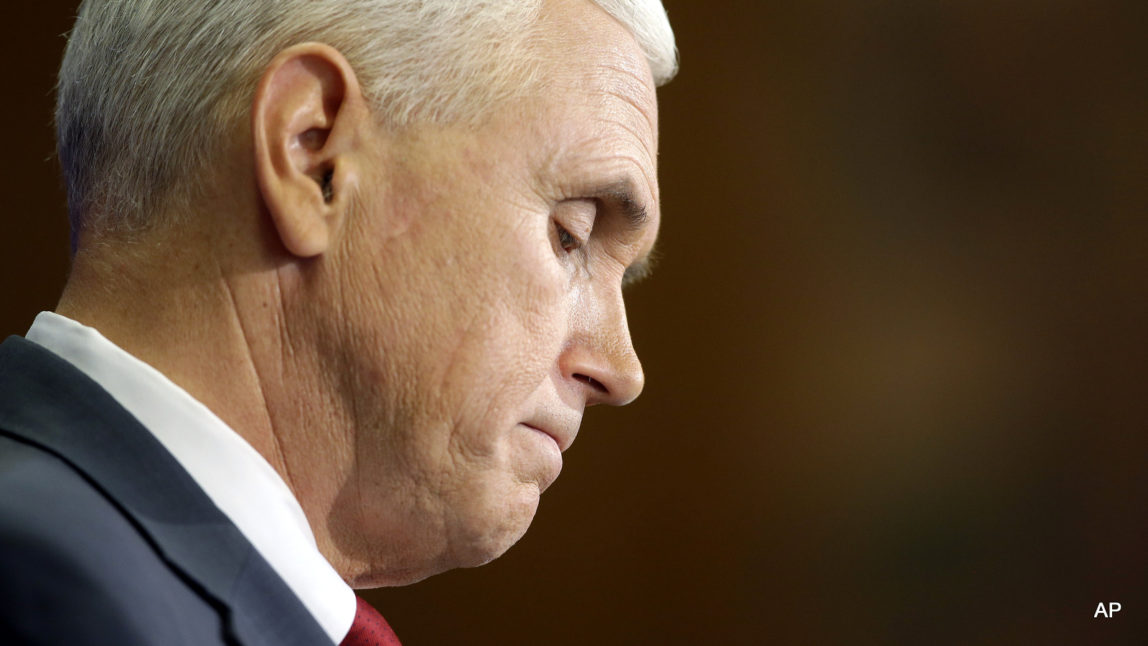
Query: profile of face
x=473, y=307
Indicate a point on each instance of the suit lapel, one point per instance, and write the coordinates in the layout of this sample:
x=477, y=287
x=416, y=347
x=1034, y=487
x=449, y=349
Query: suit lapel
x=46, y=401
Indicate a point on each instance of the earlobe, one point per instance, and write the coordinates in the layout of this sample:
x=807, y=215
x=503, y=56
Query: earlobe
x=307, y=114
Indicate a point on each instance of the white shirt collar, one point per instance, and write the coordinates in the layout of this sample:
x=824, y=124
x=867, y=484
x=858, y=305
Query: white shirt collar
x=233, y=474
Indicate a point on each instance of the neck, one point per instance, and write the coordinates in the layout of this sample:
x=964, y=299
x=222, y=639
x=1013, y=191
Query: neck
x=180, y=318
x=216, y=331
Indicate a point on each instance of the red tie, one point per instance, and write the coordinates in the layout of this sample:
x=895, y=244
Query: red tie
x=369, y=629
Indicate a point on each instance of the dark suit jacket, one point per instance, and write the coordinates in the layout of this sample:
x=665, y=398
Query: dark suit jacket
x=105, y=539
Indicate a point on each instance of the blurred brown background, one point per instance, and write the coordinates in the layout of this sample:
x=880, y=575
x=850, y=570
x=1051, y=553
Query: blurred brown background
x=895, y=348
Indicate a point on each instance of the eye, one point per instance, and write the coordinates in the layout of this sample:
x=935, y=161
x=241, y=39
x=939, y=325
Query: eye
x=566, y=240
x=573, y=221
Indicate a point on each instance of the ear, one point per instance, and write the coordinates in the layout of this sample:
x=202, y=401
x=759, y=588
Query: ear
x=307, y=118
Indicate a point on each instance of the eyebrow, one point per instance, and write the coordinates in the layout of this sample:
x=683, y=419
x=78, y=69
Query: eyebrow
x=622, y=197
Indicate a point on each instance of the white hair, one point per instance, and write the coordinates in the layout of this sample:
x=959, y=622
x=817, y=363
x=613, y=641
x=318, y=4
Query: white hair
x=149, y=90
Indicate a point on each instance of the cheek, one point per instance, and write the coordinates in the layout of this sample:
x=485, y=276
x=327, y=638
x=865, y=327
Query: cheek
x=538, y=288
x=484, y=318
x=520, y=322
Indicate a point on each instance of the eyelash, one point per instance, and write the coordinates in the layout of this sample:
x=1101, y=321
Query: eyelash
x=566, y=240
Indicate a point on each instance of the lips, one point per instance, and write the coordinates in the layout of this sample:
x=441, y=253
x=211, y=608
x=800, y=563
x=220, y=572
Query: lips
x=563, y=440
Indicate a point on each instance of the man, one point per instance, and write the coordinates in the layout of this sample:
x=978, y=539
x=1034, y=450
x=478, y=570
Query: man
x=346, y=275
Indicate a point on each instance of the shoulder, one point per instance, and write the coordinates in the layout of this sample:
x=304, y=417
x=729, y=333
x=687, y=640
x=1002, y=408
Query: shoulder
x=77, y=569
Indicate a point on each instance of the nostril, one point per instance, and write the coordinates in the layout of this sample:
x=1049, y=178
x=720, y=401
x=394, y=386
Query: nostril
x=593, y=383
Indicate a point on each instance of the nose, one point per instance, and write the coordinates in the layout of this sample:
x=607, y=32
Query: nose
x=600, y=359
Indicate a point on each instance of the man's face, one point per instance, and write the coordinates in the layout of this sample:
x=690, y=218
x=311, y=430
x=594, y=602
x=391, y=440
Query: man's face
x=479, y=306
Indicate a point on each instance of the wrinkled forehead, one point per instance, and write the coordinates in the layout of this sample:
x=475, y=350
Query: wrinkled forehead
x=595, y=76
x=585, y=47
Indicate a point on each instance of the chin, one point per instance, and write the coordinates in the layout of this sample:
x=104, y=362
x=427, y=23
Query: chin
x=478, y=535
x=493, y=526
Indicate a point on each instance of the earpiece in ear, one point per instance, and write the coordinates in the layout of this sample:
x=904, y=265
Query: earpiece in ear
x=328, y=190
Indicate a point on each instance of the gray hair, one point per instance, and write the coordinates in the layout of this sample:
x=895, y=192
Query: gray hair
x=150, y=90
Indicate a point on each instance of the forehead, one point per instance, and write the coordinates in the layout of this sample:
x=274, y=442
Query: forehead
x=596, y=102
